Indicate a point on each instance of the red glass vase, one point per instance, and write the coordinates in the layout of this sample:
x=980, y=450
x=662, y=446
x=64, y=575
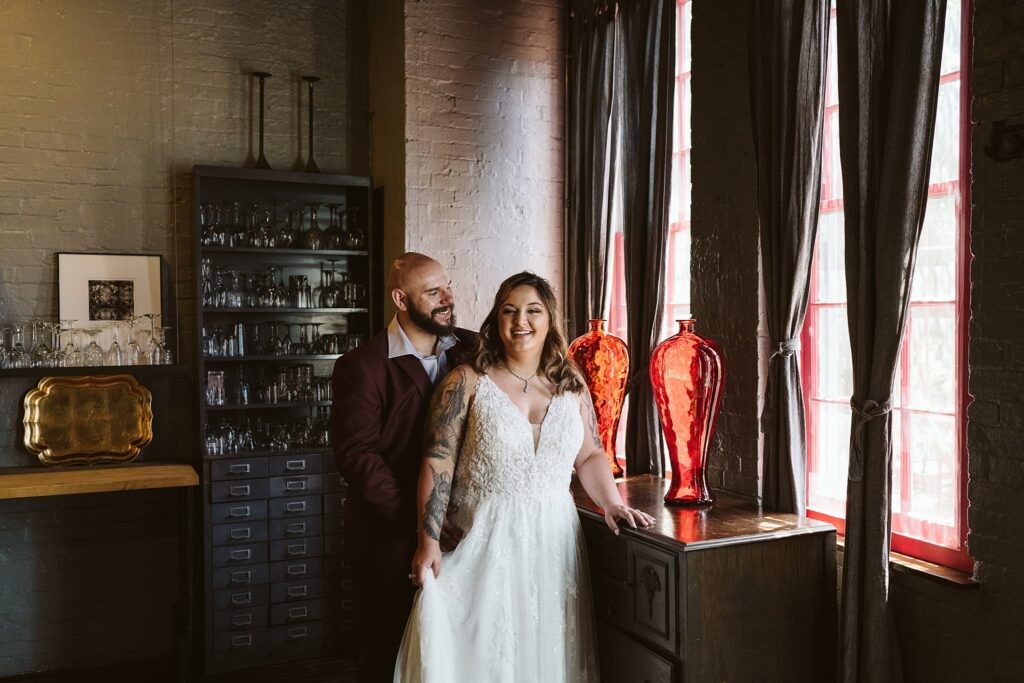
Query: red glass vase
x=604, y=361
x=687, y=375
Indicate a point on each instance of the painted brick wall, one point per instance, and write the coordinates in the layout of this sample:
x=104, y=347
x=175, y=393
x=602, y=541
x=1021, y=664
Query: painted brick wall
x=724, y=256
x=484, y=118
x=105, y=107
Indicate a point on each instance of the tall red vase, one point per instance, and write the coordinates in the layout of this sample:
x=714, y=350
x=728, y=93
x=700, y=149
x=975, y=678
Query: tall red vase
x=604, y=361
x=687, y=375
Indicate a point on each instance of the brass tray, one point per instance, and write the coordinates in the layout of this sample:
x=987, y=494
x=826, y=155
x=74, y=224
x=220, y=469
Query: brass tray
x=88, y=419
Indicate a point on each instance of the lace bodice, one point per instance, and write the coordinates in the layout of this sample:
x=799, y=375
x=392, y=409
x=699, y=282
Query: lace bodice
x=498, y=454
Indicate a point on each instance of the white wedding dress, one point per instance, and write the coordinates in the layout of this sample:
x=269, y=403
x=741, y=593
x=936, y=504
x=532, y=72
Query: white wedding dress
x=512, y=603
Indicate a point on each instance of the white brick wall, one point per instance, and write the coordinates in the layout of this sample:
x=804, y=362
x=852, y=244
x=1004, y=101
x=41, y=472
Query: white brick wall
x=484, y=155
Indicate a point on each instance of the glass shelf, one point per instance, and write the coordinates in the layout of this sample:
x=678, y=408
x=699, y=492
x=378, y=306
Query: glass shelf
x=268, y=406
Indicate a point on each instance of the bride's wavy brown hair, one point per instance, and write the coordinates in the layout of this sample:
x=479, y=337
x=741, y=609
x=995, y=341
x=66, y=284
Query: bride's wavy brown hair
x=554, y=359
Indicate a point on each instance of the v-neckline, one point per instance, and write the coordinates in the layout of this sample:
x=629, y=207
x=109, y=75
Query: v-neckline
x=526, y=418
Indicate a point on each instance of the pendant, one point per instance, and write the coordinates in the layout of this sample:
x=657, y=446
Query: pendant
x=526, y=386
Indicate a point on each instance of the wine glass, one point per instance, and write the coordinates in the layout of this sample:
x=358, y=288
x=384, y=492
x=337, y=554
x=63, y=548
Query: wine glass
x=115, y=354
x=314, y=237
x=133, y=352
x=167, y=356
x=354, y=238
x=92, y=354
x=335, y=235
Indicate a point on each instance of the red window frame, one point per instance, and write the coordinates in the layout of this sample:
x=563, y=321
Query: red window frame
x=901, y=543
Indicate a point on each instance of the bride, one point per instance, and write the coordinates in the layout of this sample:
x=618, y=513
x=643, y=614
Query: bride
x=504, y=433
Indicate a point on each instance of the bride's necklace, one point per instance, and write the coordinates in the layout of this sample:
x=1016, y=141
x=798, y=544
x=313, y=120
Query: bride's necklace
x=525, y=380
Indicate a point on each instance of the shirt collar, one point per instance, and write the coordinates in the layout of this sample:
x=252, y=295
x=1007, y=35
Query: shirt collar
x=400, y=345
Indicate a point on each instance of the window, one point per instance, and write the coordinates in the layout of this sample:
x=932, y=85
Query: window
x=929, y=396
x=677, y=273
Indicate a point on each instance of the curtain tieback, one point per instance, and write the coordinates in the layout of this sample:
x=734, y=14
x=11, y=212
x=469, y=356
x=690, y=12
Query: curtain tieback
x=784, y=349
x=862, y=414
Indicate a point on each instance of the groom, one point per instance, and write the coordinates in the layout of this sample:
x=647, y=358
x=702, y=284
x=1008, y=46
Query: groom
x=381, y=391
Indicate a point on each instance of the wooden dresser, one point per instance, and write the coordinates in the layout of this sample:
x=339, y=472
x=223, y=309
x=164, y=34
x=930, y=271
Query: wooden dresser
x=721, y=593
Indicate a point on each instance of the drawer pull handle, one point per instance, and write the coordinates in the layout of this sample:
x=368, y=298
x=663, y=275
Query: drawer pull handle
x=241, y=554
x=298, y=591
x=295, y=465
x=241, y=576
x=241, y=619
x=242, y=641
x=346, y=604
x=240, y=468
x=298, y=612
x=240, y=511
x=295, y=485
x=296, y=528
x=296, y=569
x=240, y=491
x=297, y=549
x=241, y=598
x=241, y=533
x=296, y=506
x=298, y=632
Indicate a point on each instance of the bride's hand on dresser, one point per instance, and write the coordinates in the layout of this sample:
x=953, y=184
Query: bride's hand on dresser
x=631, y=516
x=427, y=558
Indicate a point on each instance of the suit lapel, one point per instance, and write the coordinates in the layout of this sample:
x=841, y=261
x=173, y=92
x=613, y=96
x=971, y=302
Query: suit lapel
x=412, y=367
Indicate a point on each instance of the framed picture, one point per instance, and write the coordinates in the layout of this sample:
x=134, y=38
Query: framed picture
x=98, y=290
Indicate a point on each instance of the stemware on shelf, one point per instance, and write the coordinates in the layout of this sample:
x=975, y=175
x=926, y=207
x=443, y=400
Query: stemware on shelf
x=314, y=237
x=261, y=161
x=335, y=233
x=311, y=166
x=115, y=354
x=355, y=237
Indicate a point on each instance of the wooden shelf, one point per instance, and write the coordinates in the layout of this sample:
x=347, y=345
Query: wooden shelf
x=140, y=371
x=264, y=358
x=268, y=406
x=275, y=311
x=34, y=482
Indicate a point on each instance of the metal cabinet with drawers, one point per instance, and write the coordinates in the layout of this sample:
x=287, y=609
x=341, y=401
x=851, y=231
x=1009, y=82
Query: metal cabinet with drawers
x=720, y=593
x=275, y=587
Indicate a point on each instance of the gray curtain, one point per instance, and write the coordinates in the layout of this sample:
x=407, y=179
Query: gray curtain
x=591, y=159
x=889, y=62
x=646, y=55
x=788, y=51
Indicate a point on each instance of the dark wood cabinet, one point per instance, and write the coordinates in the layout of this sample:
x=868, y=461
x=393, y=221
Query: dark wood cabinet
x=722, y=593
x=274, y=585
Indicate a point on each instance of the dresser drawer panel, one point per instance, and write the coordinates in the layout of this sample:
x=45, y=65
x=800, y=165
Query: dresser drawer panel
x=240, y=620
x=299, y=506
x=333, y=544
x=240, y=468
x=307, y=463
x=298, y=485
x=240, y=577
x=334, y=503
x=623, y=660
x=292, y=612
x=243, y=489
x=296, y=636
x=335, y=606
x=296, y=570
x=250, y=511
x=333, y=481
x=235, y=555
x=333, y=524
x=295, y=548
x=606, y=552
x=298, y=527
x=239, y=598
x=245, y=533
x=652, y=581
x=256, y=639
x=611, y=598
x=292, y=591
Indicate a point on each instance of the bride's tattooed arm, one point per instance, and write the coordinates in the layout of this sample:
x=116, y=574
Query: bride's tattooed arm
x=446, y=417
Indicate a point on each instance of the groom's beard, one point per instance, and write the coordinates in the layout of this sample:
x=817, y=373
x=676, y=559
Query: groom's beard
x=427, y=323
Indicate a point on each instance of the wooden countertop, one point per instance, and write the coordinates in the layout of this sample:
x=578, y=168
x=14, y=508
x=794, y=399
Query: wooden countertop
x=730, y=519
x=32, y=482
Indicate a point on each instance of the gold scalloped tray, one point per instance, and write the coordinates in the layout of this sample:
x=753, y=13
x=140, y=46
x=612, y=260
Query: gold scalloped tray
x=88, y=419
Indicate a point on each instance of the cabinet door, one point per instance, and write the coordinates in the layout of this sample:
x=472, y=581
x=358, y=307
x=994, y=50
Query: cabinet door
x=623, y=660
x=653, y=594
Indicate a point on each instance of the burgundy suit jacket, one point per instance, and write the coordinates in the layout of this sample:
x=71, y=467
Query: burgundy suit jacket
x=377, y=423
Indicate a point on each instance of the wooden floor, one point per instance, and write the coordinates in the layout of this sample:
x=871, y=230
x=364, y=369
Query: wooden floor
x=327, y=670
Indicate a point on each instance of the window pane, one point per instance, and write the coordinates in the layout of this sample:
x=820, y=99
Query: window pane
x=951, y=39
x=830, y=260
x=945, y=150
x=686, y=118
x=835, y=370
x=831, y=79
x=935, y=271
x=932, y=468
x=932, y=359
x=827, y=482
x=681, y=276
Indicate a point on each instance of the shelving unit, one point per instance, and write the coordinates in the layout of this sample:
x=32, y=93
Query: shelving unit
x=274, y=585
